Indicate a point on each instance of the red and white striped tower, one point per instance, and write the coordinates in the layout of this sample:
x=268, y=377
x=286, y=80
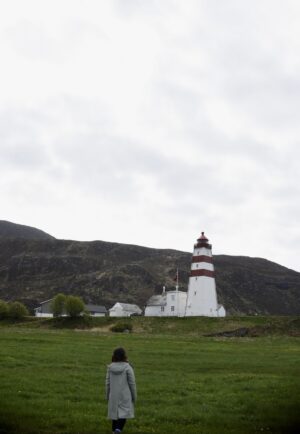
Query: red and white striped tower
x=202, y=294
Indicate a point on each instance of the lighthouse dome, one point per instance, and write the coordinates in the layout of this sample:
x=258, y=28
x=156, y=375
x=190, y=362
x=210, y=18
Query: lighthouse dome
x=202, y=241
x=202, y=238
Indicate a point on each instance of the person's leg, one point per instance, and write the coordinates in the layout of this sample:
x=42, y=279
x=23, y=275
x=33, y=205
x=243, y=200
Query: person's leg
x=114, y=425
x=120, y=425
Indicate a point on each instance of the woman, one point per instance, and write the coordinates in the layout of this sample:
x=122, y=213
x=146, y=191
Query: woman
x=120, y=390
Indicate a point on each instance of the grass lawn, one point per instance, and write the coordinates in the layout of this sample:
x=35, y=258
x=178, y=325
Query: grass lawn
x=52, y=381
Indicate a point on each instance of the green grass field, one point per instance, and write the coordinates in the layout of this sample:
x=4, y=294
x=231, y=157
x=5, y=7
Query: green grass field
x=52, y=380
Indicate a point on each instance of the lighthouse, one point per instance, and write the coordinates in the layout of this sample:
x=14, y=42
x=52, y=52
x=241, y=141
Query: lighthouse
x=202, y=295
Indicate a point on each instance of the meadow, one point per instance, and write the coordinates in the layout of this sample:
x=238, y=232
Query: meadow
x=52, y=379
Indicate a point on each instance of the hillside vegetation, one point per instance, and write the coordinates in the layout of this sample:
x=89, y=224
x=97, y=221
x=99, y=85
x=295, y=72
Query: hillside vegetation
x=100, y=272
x=246, y=326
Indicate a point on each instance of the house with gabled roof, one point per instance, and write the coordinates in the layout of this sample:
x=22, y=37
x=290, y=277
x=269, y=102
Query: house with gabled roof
x=96, y=310
x=124, y=310
x=44, y=309
x=169, y=303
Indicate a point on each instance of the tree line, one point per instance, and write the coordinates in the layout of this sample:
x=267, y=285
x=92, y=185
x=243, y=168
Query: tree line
x=61, y=305
x=14, y=310
x=67, y=305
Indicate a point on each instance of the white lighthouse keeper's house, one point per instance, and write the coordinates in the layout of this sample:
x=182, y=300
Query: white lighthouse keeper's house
x=202, y=294
x=169, y=303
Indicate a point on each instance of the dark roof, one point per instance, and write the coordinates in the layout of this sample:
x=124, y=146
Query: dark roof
x=95, y=308
x=90, y=307
x=157, y=300
x=46, y=301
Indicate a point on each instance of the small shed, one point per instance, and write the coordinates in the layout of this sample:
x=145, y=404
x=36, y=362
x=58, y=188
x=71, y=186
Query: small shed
x=124, y=310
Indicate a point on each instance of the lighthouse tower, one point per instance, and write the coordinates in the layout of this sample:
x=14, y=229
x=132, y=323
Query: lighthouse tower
x=202, y=294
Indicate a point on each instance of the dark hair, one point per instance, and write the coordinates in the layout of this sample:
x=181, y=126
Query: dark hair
x=119, y=355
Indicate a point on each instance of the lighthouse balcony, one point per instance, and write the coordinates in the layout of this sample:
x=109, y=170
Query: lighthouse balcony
x=202, y=244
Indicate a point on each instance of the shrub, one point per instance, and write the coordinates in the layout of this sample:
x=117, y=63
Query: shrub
x=74, y=306
x=3, y=309
x=17, y=310
x=121, y=327
x=58, y=305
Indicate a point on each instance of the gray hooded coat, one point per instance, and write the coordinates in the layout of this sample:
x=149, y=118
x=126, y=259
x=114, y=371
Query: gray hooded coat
x=120, y=390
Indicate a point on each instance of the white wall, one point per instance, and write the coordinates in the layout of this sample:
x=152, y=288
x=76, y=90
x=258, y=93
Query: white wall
x=50, y=315
x=43, y=315
x=177, y=301
x=117, y=311
x=202, y=266
x=221, y=311
x=202, y=297
x=199, y=251
x=154, y=311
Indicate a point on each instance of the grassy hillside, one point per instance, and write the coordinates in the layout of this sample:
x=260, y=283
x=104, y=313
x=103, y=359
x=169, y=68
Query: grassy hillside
x=32, y=271
x=52, y=381
x=198, y=326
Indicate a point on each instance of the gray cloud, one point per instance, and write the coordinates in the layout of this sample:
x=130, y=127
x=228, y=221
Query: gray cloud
x=20, y=147
x=177, y=114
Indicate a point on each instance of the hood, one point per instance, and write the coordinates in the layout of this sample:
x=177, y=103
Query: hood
x=117, y=367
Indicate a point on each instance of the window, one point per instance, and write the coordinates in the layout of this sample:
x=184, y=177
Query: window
x=197, y=265
x=173, y=297
x=162, y=308
x=195, y=292
x=172, y=308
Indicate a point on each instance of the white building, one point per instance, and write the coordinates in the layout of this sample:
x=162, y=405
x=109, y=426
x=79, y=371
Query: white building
x=44, y=310
x=96, y=310
x=156, y=305
x=202, y=294
x=169, y=303
x=124, y=309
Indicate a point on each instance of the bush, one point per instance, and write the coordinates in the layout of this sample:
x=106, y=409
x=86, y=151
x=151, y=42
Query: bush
x=3, y=309
x=17, y=310
x=121, y=327
x=58, y=305
x=74, y=306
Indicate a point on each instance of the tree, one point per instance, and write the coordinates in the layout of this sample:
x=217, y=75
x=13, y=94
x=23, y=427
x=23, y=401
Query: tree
x=58, y=304
x=74, y=306
x=17, y=310
x=3, y=309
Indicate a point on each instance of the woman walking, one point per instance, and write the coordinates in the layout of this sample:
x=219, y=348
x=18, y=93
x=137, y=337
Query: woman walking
x=120, y=390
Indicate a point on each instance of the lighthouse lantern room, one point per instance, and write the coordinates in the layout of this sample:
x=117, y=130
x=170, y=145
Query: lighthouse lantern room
x=202, y=294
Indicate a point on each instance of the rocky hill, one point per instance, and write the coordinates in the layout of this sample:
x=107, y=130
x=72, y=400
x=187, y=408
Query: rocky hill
x=14, y=230
x=33, y=270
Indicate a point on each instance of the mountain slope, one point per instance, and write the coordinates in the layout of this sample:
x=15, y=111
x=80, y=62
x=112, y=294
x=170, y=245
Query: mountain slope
x=14, y=230
x=101, y=272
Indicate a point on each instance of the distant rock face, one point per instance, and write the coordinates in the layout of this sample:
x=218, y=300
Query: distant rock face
x=34, y=270
x=14, y=230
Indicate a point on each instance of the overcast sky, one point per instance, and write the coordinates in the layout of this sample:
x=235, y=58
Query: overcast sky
x=147, y=122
